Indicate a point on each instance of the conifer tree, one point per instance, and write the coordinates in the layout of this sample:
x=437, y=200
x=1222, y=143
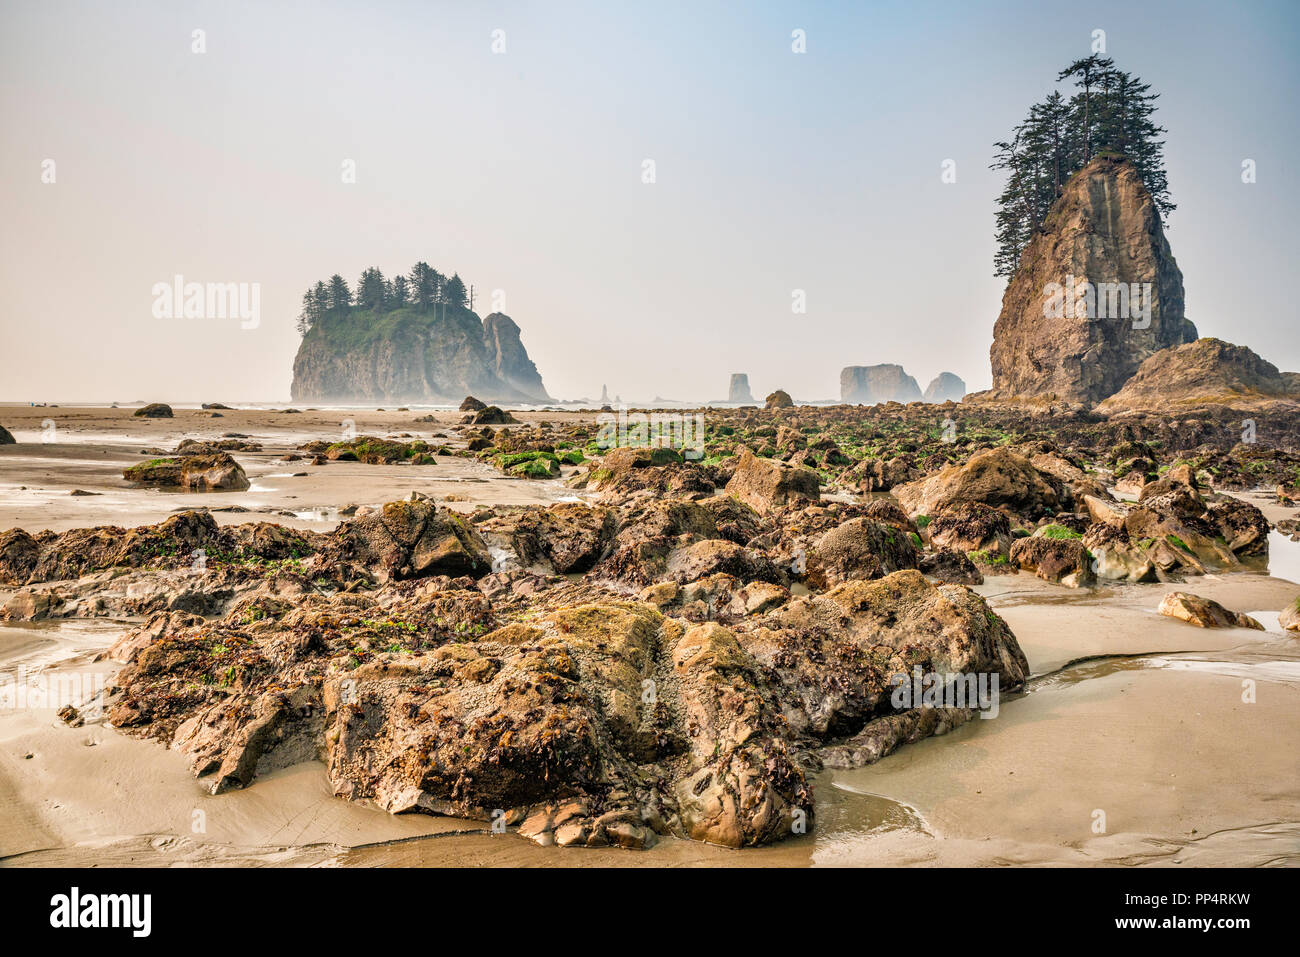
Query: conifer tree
x=1110, y=112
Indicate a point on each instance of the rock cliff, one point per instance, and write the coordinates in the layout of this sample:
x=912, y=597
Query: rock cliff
x=869, y=385
x=1064, y=336
x=413, y=355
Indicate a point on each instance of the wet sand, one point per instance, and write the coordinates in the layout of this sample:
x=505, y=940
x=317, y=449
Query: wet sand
x=1130, y=714
x=91, y=447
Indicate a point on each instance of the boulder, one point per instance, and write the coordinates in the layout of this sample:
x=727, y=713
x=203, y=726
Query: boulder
x=1203, y=612
x=198, y=473
x=19, y=555
x=859, y=549
x=779, y=399
x=866, y=632
x=491, y=415
x=970, y=527
x=471, y=404
x=1061, y=560
x=5, y=437
x=413, y=540
x=715, y=555
x=765, y=484
x=997, y=477
x=1289, y=617
x=950, y=566
x=571, y=537
x=155, y=410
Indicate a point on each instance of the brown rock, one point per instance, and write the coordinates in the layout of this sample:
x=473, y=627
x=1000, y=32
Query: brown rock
x=1205, y=372
x=1104, y=228
x=765, y=484
x=1204, y=613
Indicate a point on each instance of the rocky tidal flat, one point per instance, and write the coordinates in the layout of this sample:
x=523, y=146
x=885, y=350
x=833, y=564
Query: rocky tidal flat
x=656, y=650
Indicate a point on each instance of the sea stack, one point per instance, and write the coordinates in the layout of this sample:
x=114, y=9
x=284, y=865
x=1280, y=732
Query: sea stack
x=945, y=387
x=869, y=385
x=739, y=391
x=1096, y=292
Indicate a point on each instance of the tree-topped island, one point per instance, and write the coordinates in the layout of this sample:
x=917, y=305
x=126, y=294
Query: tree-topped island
x=412, y=339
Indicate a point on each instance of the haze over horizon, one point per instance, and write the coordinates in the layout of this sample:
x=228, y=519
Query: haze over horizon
x=522, y=171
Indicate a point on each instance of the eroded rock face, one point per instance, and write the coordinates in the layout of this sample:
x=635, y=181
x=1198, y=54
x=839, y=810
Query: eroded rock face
x=860, y=549
x=1103, y=229
x=507, y=359
x=868, y=385
x=1201, y=373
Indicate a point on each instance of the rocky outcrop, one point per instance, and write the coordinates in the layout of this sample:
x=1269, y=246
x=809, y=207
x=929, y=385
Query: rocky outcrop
x=1054, y=341
x=5, y=437
x=1202, y=373
x=780, y=399
x=155, y=410
x=945, y=387
x=413, y=355
x=869, y=385
x=738, y=391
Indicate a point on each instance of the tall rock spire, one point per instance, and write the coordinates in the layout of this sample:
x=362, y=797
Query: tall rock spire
x=1097, y=291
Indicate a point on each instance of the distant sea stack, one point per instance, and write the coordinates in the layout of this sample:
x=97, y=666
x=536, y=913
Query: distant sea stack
x=739, y=390
x=408, y=354
x=945, y=387
x=870, y=385
x=1104, y=229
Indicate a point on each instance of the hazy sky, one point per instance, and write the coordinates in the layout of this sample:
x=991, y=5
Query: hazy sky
x=522, y=171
